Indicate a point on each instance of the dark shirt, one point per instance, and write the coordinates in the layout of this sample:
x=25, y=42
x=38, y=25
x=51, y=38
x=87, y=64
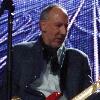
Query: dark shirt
x=50, y=54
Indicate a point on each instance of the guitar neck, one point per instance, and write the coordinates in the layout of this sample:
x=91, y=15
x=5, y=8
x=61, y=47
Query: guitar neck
x=86, y=93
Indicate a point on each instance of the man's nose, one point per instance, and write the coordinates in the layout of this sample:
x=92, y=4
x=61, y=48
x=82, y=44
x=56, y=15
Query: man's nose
x=63, y=30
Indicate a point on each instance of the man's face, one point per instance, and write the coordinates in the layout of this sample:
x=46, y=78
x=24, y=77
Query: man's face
x=54, y=29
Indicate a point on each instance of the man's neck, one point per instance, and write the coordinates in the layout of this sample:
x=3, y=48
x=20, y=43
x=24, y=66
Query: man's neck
x=48, y=50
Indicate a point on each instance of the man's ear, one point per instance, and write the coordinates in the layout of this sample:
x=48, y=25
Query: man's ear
x=43, y=25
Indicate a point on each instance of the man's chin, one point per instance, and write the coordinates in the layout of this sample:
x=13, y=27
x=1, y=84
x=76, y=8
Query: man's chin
x=57, y=45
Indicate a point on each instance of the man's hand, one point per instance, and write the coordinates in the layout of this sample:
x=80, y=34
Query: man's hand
x=16, y=98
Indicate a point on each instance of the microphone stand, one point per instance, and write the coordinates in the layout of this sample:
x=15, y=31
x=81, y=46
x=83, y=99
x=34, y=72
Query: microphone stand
x=9, y=56
x=8, y=5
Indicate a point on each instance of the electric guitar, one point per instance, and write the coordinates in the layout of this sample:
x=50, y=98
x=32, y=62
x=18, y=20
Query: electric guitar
x=82, y=96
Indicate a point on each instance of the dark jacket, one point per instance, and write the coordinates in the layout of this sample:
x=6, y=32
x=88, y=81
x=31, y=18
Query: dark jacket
x=28, y=63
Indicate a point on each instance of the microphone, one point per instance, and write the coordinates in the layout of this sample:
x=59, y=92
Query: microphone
x=7, y=5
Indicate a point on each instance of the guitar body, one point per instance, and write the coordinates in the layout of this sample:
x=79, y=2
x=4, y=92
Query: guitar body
x=82, y=96
x=54, y=96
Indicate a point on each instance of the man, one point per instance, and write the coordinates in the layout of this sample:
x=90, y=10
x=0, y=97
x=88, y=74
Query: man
x=37, y=73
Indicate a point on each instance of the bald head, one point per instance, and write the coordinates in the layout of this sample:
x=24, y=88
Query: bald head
x=45, y=13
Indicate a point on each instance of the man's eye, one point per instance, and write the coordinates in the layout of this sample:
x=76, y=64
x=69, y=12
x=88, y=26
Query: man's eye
x=59, y=25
